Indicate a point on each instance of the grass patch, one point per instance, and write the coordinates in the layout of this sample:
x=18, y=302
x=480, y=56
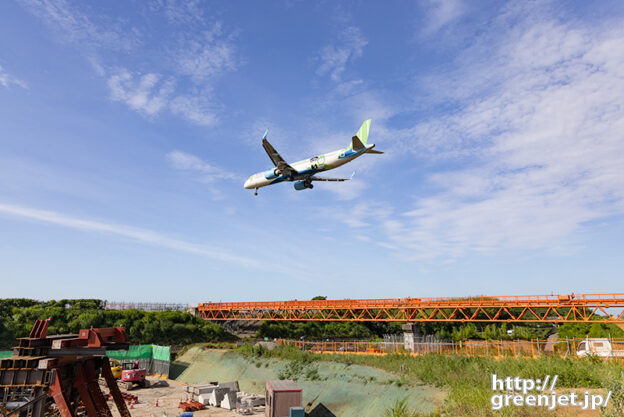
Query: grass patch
x=467, y=379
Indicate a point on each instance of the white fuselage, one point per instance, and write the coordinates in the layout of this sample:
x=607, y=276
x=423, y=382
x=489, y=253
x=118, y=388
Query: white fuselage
x=306, y=168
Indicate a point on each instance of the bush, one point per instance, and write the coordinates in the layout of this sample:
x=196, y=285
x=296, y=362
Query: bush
x=17, y=317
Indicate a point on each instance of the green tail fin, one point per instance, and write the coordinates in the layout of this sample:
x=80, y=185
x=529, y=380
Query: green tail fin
x=362, y=134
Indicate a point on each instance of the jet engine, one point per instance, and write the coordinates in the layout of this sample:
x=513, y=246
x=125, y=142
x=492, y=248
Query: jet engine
x=272, y=173
x=302, y=185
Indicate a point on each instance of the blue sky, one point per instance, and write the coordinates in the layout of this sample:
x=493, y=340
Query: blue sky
x=128, y=128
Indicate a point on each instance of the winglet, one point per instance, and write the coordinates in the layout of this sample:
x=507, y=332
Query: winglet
x=265, y=133
x=352, y=175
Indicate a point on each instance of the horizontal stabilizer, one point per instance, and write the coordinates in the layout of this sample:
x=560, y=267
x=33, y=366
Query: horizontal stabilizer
x=374, y=151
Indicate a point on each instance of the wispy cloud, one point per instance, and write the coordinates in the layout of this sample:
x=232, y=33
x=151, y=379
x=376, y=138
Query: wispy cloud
x=206, y=171
x=143, y=93
x=181, y=12
x=185, y=68
x=199, y=109
x=154, y=238
x=206, y=55
x=137, y=234
x=540, y=136
x=75, y=27
x=360, y=215
x=442, y=12
x=7, y=79
x=334, y=58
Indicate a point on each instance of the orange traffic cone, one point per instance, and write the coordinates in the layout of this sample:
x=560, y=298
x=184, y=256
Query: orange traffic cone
x=156, y=402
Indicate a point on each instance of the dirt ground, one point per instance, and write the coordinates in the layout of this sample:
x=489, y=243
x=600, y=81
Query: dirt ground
x=169, y=393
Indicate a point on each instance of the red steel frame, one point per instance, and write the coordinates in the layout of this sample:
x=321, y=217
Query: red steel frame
x=570, y=308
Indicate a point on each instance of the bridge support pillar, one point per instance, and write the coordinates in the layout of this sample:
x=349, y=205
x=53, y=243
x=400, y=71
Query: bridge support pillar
x=411, y=334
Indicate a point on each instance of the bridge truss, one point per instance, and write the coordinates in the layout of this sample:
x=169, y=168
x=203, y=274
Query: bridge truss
x=570, y=308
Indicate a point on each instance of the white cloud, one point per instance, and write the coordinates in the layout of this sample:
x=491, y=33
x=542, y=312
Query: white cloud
x=206, y=55
x=198, y=109
x=442, y=12
x=334, y=58
x=208, y=173
x=179, y=11
x=361, y=215
x=7, y=79
x=137, y=234
x=542, y=138
x=150, y=237
x=195, y=50
x=142, y=93
x=75, y=27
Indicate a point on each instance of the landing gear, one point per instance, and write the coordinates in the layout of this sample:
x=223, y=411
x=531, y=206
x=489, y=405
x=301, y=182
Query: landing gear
x=256, y=192
x=308, y=184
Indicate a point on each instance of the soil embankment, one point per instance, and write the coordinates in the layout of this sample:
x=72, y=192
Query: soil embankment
x=347, y=390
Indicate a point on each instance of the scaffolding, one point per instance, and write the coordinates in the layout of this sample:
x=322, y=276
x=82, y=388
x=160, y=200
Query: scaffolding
x=114, y=305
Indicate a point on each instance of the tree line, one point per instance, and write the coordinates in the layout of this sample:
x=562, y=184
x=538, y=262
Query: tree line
x=17, y=317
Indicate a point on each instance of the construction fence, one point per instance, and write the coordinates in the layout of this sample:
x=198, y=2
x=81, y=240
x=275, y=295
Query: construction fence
x=155, y=359
x=491, y=348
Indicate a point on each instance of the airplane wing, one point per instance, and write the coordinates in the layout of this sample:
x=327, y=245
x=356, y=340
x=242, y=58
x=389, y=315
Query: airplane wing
x=276, y=158
x=313, y=178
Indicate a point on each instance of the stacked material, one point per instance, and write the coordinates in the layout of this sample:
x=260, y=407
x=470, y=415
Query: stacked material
x=252, y=400
x=195, y=389
x=224, y=395
x=216, y=396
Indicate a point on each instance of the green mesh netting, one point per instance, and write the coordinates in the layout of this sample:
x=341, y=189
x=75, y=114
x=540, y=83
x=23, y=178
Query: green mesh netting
x=133, y=353
x=161, y=353
x=6, y=354
x=137, y=352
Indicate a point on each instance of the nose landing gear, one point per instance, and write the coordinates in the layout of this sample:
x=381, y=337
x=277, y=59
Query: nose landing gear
x=256, y=192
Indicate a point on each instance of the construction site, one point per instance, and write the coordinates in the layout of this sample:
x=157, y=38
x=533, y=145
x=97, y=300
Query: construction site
x=96, y=372
x=311, y=208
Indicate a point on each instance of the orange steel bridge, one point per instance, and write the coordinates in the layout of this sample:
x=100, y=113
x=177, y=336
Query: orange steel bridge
x=570, y=308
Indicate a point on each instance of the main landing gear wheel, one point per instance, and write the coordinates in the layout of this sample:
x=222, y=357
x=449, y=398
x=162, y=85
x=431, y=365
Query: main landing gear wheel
x=256, y=192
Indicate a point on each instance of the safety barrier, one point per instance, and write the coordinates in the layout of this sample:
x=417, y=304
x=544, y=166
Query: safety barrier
x=478, y=348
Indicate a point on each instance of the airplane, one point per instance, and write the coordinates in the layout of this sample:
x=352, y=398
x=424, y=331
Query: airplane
x=303, y=172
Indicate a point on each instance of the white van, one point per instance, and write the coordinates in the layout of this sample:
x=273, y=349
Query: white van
x=599, y=347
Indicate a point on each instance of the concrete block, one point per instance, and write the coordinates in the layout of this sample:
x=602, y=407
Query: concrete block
x=229, y=400
x=216, y=396
x=205, y=390
x=204, y=399
x=233, y=386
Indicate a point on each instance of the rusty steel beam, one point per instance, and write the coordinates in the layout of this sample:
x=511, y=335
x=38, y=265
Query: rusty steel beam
x=67, y=367
x=568, y=308
x=107, y=374
x=58, y=394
